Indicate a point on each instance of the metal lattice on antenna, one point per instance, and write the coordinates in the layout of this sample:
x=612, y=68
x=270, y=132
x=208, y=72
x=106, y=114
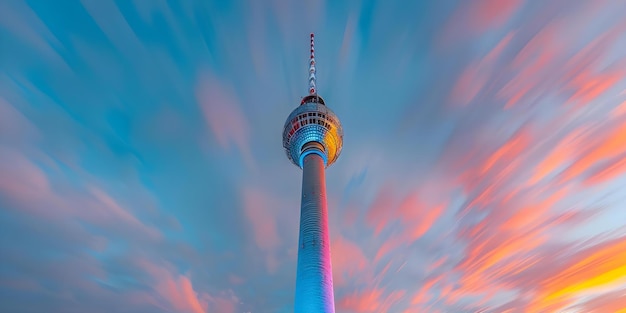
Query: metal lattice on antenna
x=312, y=87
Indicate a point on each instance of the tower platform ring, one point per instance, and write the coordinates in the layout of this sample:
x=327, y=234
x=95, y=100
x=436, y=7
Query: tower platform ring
x=312, y=121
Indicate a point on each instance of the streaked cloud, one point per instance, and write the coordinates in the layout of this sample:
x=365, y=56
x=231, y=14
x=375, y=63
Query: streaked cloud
x=141, y=163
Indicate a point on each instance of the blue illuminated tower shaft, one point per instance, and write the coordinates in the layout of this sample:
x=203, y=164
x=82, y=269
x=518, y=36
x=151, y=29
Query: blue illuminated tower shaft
x=314, y=284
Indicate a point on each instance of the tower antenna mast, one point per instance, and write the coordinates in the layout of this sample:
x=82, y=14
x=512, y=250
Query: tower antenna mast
x=312, y=86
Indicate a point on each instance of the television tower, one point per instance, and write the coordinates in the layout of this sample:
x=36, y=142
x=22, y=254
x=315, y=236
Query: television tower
x=312, y=138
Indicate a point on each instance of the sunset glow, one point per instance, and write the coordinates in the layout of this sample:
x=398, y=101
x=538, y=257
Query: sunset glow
x=483, y=163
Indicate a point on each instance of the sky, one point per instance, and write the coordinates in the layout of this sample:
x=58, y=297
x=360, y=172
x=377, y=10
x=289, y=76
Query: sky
x=142, y=168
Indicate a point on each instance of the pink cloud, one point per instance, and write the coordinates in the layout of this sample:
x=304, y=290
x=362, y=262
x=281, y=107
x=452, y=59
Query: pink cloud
x=20, y=19
x=590, y=85
x=389, y=245
x=30, y=190
x=426, y=221
x=381, y=209
x=367, y=301
x=347, y=43
x=619, y=111
x=235, y=280
x=259, y=209
x=24, y=182
x=410, y=218
x=14, y=126
x=563, y=152
x=348, y=260
x=492, y=13
x=223, y=114
x=107, y=210
x=222, y=304
x=608, y=145
x=24, y=284
x=476, y=75
x=476, y=17
x=468, y=85
x=423, y=295
x=179, y=293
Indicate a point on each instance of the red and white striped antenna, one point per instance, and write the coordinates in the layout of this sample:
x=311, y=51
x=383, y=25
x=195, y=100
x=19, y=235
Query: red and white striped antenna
x=312, y=87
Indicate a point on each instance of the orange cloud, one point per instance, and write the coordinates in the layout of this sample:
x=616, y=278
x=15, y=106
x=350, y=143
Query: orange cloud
x=534, y=214
x=614, y=301
x=563, y=152
x=599, y=266
x=421, y=297
x=609, y=146
x=366, y=301
x=371, y=300
x=614, y=169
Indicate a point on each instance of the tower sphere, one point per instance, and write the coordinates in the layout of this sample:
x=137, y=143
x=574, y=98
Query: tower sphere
x=312, y=122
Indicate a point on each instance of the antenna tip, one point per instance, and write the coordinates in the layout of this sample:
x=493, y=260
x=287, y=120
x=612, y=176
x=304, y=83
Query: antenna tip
x=312, y=35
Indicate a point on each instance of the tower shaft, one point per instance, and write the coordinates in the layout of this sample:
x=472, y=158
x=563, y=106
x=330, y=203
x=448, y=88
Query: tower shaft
x=314, y=284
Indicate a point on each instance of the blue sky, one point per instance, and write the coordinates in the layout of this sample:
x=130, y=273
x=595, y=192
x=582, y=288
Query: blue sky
x=141, y=165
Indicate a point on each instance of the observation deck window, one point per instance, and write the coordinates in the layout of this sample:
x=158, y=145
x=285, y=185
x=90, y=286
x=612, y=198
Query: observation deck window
x=312, y=99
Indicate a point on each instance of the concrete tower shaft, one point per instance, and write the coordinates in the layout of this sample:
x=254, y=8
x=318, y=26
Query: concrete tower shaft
x=312, y=139
x=314, y=284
